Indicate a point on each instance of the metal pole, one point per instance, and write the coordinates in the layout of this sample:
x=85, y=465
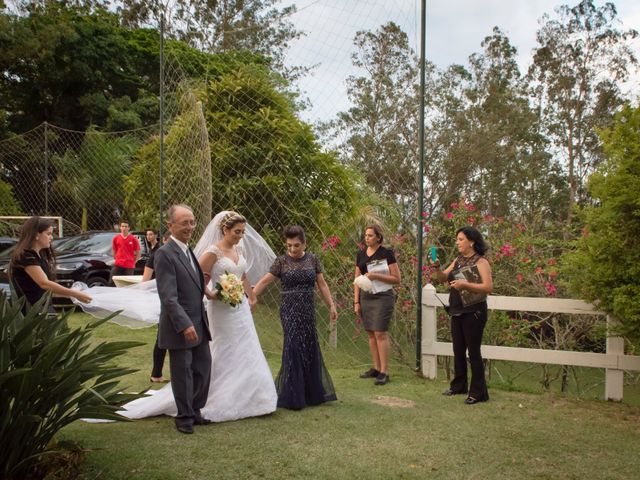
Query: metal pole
x=46, y=168
x=161, y=122
x=423, y=17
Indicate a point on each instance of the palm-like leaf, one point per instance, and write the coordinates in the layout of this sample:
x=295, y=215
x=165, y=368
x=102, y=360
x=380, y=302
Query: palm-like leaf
x=50, y=376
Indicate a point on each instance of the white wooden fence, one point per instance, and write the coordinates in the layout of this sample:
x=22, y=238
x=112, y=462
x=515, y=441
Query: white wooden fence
x=614, y=360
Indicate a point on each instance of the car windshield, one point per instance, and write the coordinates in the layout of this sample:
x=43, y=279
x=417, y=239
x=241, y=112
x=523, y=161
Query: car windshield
x=89, y=242
x=6, y=254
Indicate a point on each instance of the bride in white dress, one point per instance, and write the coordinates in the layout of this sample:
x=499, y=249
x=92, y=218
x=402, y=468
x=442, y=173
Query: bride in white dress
x=241, y=382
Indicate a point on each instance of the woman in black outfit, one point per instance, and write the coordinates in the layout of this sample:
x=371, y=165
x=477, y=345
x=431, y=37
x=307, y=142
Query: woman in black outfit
x=375, y=308
x=149, y=274
x=32, y=265
x=468, y=310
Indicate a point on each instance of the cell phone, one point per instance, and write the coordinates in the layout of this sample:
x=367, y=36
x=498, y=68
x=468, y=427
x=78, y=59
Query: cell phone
x=433, y=253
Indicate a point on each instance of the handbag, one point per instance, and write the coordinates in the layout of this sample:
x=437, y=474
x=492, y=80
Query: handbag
x=471, y=274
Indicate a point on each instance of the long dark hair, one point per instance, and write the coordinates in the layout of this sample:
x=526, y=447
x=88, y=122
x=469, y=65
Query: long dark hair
x=474, y=235
x=30, y=229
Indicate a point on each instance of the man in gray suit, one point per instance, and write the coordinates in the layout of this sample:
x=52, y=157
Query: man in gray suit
x=183, y=329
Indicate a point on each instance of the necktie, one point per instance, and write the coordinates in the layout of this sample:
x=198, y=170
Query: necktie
x=190, y=259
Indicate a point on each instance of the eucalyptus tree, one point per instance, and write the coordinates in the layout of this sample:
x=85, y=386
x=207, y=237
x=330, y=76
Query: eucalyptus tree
x=513, y=175
x=379, y=132
x=217, y=26
x=581, y=58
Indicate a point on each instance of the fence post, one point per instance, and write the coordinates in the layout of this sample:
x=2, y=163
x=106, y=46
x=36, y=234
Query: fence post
x=614, y=378
x=429, y=332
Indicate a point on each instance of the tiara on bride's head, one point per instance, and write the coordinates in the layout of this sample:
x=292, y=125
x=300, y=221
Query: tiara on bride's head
x=230, y=219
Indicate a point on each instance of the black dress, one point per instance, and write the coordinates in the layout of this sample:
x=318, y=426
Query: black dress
x=303, y=378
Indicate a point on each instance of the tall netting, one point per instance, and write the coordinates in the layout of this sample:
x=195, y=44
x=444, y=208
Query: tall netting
x=76, y=175
x=296, y=152
x=282, y=143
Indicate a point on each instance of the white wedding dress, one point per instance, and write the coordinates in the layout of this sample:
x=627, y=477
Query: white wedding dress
x=241, y=381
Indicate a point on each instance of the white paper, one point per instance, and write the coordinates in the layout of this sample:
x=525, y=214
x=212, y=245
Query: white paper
x=379, y=266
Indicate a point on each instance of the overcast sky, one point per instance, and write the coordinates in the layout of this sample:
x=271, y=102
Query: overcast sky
x=455, y=29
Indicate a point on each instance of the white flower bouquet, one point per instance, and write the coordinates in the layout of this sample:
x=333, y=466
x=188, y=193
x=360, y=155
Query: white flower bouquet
x=230, y=289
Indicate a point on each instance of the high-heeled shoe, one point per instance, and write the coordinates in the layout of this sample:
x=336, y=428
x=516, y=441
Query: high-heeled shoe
x=473, y=401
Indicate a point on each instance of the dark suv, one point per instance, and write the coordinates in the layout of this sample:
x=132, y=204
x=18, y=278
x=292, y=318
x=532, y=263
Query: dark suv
x=86, y=257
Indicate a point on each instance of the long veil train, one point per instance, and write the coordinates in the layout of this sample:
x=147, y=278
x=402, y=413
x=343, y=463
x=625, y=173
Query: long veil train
x=138, y=306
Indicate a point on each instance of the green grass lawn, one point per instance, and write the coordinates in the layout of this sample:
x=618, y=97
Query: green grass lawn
x=405, y=429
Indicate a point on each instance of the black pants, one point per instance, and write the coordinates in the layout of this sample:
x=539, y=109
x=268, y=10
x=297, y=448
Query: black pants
x=466, y=334
x=117, y=270
x=158, y=360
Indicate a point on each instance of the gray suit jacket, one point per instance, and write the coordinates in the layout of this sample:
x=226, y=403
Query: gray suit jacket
x=181, y=289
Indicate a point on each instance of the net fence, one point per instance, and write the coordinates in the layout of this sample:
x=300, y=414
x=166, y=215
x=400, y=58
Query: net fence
x=333, y=150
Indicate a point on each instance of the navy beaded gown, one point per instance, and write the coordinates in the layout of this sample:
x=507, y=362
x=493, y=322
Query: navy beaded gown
x=303, y=378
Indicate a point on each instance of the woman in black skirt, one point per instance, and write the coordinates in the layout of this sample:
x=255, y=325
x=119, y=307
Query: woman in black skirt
x=375, y=307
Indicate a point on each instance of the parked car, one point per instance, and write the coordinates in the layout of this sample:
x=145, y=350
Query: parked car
x=7, y=242
x=86, y=257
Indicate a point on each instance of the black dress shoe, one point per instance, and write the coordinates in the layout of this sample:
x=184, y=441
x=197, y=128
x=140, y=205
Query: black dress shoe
x=473, y=401
x=448, y=392
x=185, y=428
x=201, y=421
x=371, y=373
x=382, y=379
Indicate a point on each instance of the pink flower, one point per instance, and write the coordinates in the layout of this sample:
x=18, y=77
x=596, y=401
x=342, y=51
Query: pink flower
x=488, y=218
x=552, y=261
x=520, y=227
x=551, y=289
x=539, y=270
x=553, y=274
x=471, y=220
x=526, y=260
x=508, y=250
x=449, y=215
x=520, y=277
x=469, y=207
x=454, y=205
x=425, y=215
x=427, y=229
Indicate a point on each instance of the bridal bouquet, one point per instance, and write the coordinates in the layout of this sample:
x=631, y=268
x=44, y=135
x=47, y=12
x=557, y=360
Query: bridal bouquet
x=230, y=289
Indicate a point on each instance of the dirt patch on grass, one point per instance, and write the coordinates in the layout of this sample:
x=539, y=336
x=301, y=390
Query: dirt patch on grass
x=394, y=402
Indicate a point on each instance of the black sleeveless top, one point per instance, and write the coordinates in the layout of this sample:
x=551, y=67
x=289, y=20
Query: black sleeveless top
x=455, y=301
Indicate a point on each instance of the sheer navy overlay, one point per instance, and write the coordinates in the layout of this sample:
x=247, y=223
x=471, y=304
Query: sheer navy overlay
x=303, y=378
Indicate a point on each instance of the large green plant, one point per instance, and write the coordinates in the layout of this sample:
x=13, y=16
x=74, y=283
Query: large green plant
x=604, y=267
x=50, y=376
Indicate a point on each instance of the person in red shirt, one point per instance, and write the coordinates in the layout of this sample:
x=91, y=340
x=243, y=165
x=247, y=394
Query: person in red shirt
x=126, y=252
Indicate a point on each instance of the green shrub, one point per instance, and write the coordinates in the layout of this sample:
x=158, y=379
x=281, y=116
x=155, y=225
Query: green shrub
x=50, y=376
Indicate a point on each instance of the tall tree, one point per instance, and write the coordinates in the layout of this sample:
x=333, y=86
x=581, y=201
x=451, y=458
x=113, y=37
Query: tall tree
x=381, y=127
x=580, y=59
x=66, y=66
x=513, y=175
x=219, y=25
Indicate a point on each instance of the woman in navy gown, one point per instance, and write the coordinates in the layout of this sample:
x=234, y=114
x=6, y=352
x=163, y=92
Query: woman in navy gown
x=303, y=378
